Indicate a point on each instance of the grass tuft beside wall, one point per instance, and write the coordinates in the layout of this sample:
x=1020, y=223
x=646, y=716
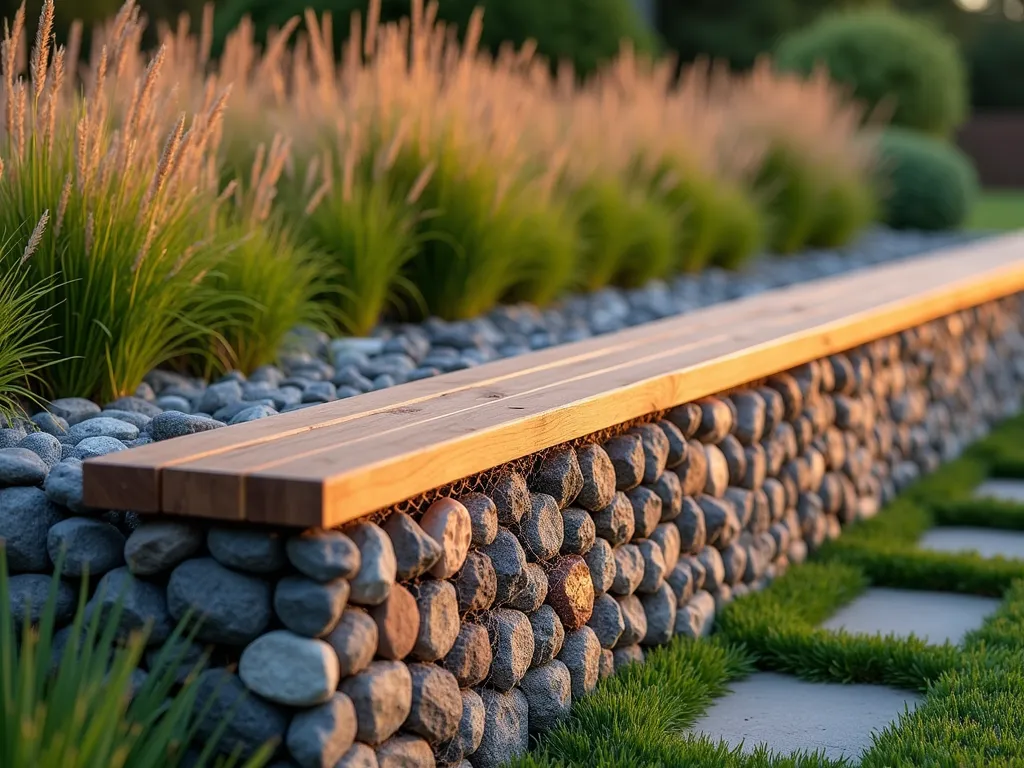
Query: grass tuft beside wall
x=780, y=628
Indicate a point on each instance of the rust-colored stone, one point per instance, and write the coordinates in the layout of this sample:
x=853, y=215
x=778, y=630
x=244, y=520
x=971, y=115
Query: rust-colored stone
x=398, y=624
x=571, y=591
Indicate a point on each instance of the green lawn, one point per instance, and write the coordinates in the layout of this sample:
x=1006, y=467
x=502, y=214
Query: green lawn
x=998, y=209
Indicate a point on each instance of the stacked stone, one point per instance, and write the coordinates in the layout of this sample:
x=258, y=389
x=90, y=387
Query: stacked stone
x=449, y=637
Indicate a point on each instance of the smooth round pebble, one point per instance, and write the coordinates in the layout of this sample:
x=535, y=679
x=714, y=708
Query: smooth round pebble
x=449, y=524
x=247, y=549
x=235, y=608
x=354, y=640
x=324, y=555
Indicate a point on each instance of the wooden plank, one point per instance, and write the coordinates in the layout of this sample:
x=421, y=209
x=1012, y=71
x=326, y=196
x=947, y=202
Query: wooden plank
x=131, y=479
x=781, y=307
x=372, y=471
x=217, y=482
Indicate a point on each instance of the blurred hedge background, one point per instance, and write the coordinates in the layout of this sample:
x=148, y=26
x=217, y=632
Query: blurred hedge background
x=962, y=87
x=990, y=32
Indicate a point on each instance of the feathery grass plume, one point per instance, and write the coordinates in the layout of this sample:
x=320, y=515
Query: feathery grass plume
x=87, y=703
x=25, y=348
x=269, y=280
x=418, y=174
x=129, y=196
x=367, y=227
x=817, y=171
x=465, y=112
x=536, y=183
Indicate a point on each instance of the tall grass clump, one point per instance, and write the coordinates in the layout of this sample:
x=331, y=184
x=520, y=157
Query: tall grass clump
x=24, y=347
x=815, y=179
x=413, y=172
x=85, y=702
x=368, y=230
x=269, y=282
x=119, y=201
x=442, y=179
x=483, y=219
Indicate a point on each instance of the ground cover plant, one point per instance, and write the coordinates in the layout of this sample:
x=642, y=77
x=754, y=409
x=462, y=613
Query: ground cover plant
x=24, y=350
x=973, y=694
x=189, y=211
x=77, y=697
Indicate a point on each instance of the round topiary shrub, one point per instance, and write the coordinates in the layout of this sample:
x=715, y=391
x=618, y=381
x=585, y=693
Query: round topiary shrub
x=926, y=184
x=889, y=60
x=585, y=32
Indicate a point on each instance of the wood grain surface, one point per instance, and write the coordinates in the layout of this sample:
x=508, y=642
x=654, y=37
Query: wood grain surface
x=333, y=463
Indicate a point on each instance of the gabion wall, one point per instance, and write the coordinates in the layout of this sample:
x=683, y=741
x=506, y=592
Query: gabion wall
x=451, y=635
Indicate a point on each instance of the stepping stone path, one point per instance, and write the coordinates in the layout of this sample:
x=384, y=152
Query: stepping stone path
x=987, y=542
x=932, y=616
x=1004, y=490
x=790, y=715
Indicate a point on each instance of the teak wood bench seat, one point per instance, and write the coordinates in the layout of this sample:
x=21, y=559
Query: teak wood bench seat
x=329, y=464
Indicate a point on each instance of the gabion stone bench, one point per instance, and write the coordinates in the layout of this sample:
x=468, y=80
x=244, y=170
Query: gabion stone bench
x=437, y=570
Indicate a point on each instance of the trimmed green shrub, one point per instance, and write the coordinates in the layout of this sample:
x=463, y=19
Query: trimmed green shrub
x=889, y=61
x=737, y=31
x=926, y=184
x=585, y=32
x=121, y=225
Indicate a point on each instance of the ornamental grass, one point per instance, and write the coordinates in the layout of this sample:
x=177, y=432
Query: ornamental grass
x=78, y=697
x=190, y=212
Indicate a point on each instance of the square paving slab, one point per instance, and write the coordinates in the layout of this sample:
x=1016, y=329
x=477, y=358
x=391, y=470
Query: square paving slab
x=932, y=616
x=1004, y=490
x=987, y=542
x=788, y=714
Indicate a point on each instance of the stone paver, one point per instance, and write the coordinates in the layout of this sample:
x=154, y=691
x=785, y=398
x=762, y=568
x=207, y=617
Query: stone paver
x=1004, y=490
x=932, y=616
x=987, y=542
x=788, y=714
